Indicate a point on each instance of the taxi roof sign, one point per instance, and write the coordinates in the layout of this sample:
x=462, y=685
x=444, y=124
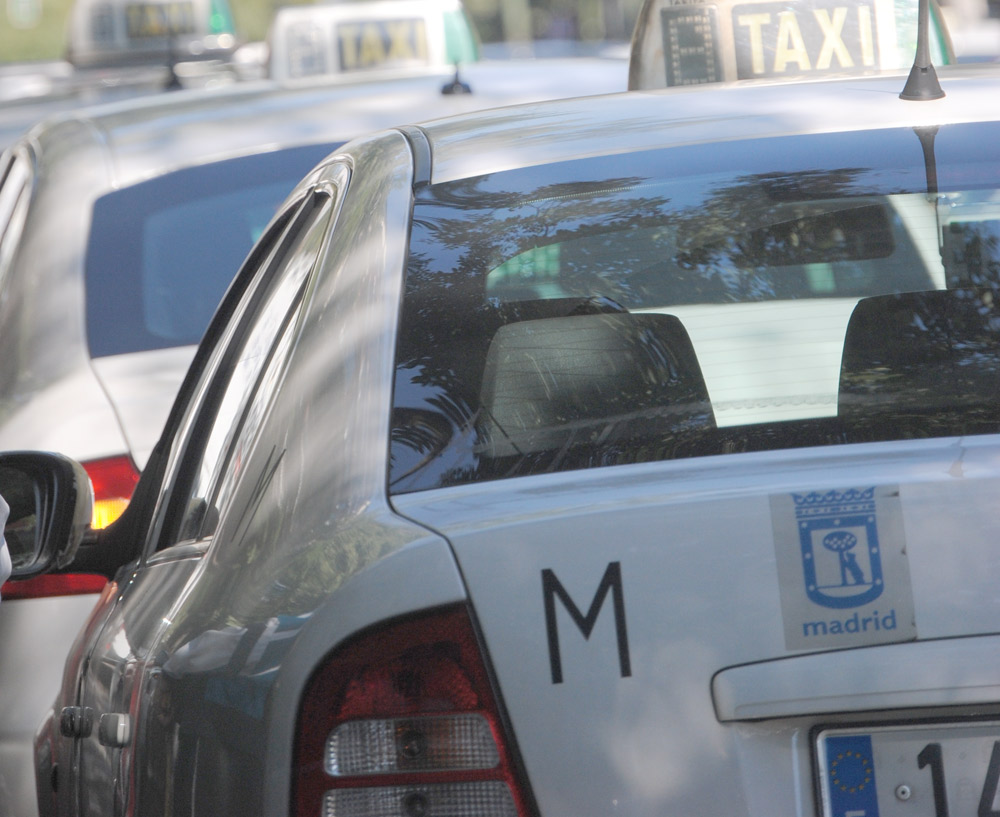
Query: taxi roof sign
x=106, y=33
x=336, y=38
x=683, y=43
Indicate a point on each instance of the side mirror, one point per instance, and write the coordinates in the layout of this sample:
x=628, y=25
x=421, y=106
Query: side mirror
x=51, y=501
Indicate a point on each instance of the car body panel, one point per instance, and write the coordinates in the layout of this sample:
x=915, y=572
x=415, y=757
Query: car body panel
x=272, y=113
x=131, y=629
x=695, y=546
x=350, y=543
x=704, y=115
x=142, y=388
x=40, y=621
x=92, y=430
x=29, y=99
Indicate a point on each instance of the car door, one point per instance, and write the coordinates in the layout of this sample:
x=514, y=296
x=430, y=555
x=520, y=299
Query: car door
x=218, y=422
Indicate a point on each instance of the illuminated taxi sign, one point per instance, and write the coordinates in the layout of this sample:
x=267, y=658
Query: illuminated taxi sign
x=375, y=43
x=685, y=43
x=158, y=19
x=132, y=32
x=807, y=37
x=346, y=37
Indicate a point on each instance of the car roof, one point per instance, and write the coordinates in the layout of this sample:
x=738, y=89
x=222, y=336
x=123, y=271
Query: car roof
x=31, y=94
x=151, y=135
x=486, y=141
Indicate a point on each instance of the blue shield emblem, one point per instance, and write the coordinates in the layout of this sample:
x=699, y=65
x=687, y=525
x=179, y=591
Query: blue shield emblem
x=840, y=552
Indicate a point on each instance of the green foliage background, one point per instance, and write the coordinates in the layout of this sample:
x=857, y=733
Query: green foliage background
x=36, y=29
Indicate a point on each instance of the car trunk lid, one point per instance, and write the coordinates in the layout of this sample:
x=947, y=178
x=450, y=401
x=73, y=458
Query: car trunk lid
x=666, y=636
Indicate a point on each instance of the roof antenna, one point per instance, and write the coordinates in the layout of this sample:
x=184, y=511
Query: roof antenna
x=173, y=80
x=922, y=84
x=456, y=86
x=926, y=137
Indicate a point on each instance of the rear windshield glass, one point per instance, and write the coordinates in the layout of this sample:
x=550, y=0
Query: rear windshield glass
x=161, y=253
x=703, y=300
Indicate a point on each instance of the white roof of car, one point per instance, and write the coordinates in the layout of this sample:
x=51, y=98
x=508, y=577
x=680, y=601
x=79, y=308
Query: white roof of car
x=640, y=120
x=152, y=135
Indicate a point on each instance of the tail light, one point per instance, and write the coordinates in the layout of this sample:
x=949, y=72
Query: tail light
x=49, y=585
x=402, y=722
x=114, y=481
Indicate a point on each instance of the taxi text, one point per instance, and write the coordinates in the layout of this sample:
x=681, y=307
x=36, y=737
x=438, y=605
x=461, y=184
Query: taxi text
x=775, y=41
x=373, y=43
x=158, y=19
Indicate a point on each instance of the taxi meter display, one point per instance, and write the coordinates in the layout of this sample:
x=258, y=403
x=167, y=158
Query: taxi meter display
x=694, y=43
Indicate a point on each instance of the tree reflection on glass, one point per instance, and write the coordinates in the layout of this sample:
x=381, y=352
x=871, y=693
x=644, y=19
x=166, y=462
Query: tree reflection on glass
x=492, y=250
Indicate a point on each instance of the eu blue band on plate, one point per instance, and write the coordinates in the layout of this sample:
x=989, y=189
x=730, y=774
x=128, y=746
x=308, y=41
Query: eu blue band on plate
x=850, y=770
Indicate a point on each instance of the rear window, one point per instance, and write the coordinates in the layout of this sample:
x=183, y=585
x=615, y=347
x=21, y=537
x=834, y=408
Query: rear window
x=703, y=300
x=161, y=253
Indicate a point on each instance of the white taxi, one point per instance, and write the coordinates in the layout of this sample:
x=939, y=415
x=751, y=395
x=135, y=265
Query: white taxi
x=457, y=514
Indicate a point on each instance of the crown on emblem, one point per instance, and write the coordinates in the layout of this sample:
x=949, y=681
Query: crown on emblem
x=834, y=497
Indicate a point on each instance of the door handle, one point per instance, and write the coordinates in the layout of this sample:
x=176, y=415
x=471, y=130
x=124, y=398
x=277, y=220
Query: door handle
x=114, y=729
x=76, y=721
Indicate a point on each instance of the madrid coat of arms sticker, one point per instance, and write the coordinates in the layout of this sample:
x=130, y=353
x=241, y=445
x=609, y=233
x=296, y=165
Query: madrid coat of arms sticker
x=842, y=567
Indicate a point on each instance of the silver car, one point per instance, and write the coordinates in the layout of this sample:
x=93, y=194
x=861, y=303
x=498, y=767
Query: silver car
x=120, y=228
x=632, y=455
x=29, y=94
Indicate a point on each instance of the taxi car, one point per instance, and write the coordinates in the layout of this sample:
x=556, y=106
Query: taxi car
x=465, y=508
x=120, y=228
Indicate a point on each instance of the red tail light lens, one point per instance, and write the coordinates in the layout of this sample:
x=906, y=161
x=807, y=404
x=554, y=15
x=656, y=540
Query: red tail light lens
x=114, y=481
x=50, y=585
x=402, y=722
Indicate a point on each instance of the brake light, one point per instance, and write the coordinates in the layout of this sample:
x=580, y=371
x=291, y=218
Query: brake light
x=114, y=481
x=401, y=722
x=49, y=585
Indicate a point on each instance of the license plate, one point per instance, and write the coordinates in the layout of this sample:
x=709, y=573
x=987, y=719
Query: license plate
x=919, y=770
x=158, y=19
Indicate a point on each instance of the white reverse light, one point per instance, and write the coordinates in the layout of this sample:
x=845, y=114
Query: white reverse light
x=423, y=744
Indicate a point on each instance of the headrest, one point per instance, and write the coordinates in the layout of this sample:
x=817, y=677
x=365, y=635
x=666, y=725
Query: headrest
x=930, y=360
x=586, y=379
